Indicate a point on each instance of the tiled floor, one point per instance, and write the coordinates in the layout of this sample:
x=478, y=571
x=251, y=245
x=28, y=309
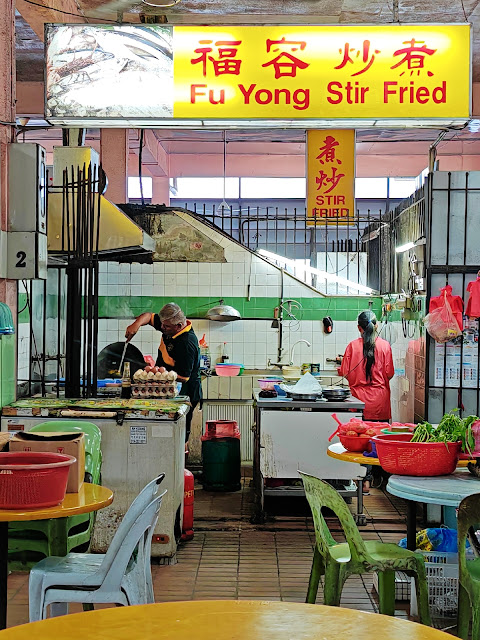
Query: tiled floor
x=230, y=558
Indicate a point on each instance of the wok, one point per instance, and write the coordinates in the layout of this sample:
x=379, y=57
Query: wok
x=108, y=359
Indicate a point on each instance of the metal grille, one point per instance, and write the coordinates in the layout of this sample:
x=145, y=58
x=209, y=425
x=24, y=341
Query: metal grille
x=242, y=412
x=453, y=258
x=335, y=245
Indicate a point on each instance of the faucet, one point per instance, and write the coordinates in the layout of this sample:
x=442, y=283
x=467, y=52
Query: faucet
x=293, y=348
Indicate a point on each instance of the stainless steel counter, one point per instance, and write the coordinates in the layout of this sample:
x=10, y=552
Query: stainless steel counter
x=280, y=402
x=290, y=435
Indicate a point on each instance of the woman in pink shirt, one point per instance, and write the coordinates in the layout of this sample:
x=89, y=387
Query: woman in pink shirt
x=368, y=367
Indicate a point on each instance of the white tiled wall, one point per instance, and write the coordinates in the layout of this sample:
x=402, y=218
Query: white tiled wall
x=250, y=342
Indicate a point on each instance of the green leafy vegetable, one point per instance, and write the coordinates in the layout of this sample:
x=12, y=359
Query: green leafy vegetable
x=451, y=428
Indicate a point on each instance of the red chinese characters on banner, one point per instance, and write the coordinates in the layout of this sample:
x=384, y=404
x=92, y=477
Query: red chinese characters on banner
x=327, y=182
x=413, y=56
x=225, y=62
x=367, y=58
x=285, y=64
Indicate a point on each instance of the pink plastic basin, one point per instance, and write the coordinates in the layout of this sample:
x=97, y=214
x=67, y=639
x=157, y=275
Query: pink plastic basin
x=227, y=370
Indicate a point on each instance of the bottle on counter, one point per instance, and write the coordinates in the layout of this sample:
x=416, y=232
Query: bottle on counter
x=225, y=357
x=126, y=382
x=205, y=361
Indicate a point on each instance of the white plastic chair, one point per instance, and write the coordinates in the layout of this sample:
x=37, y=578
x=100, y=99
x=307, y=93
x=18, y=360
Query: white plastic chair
x=120, y=576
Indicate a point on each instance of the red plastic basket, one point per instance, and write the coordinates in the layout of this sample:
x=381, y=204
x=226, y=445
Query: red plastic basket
x=356, y=443
x=33, y=480
x=400, y=456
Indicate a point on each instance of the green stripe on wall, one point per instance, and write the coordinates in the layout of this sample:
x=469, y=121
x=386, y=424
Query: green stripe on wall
x=340, y=308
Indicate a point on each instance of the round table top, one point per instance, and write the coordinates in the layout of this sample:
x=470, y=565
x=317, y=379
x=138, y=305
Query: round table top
x=338, y=451
x=448, y=491
x=91, y=497
x=224, y=620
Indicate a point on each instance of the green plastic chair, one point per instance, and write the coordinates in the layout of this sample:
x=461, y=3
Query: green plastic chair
x=336, y=561
x=468, y=520
x=30, y=541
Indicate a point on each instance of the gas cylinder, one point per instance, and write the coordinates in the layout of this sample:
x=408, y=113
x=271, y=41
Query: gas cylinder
x=188, y=498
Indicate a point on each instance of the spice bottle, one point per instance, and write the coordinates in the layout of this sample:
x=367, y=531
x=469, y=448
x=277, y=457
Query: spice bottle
x=126, y=382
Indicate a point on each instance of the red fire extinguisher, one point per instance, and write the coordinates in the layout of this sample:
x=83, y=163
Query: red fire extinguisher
x=188, y=498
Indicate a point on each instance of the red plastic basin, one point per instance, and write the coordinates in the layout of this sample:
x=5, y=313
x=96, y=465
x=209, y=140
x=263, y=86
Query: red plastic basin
x=33, y=480
x=355, y=443
x=400, y=456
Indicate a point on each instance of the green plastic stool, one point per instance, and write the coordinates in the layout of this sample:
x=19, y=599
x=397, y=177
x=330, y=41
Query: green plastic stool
x=30, y=541
x=336, y=561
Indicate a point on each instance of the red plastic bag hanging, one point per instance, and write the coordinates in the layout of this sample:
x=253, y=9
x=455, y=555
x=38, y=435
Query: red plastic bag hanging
x=473, y=304
x=441, y=323
x=455, y=302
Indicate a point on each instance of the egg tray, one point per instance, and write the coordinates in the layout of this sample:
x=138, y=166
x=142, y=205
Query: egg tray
x=154, y=389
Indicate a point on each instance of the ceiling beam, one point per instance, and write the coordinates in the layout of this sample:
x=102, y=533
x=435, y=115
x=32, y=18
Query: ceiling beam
x=54, y=11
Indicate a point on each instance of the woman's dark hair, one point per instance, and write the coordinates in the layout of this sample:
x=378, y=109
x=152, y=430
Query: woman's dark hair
x=367, y=321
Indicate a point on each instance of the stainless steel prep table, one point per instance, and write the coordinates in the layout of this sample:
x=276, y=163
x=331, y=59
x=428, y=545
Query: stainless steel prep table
x=291, y=435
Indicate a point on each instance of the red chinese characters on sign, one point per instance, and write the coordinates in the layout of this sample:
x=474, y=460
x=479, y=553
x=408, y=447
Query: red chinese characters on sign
x=413, y=56
x=225, y=62
x=350, y=57
x=327, y=182
x=285, y=64
x=327, y=152
x=324, y=179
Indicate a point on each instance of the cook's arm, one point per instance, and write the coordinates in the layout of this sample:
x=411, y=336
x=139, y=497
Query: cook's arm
x=142, y=320
x=344, y=368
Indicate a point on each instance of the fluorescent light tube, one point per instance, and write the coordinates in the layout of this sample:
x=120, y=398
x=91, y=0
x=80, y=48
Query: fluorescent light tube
x=329, y=277
x=405, y=247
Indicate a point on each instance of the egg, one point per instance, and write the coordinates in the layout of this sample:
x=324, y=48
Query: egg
x=137, y=374
x=163, y=375
x=162, y=369
x=171, y=375
x=150, y=375
x=158, y=376
x=148, y=369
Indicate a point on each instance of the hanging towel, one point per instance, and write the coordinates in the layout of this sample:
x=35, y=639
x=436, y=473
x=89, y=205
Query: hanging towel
x=473, y=304
x=455, y=302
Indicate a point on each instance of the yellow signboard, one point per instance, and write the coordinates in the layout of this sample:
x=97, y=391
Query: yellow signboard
x=340, y=72
x=330, y=175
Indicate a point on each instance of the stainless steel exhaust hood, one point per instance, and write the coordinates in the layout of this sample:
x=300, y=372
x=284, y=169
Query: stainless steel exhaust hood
x=118, y=235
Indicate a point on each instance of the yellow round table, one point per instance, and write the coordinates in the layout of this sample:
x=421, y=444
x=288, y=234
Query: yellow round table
x=91, y=497
x=224, y=620
x=338, y=451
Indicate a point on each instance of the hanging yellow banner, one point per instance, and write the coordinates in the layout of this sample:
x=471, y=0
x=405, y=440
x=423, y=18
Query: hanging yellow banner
x=404, y=71
x=330, y=175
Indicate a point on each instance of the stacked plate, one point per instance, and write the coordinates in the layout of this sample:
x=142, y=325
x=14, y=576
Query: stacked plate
x=335, y=393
